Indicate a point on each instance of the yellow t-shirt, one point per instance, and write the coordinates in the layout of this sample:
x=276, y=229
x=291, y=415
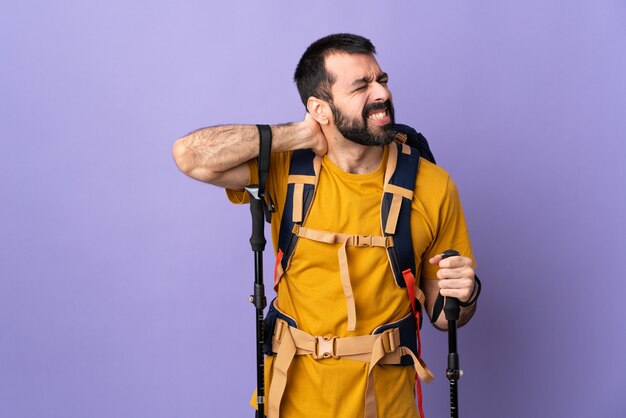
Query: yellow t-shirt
x=310, y=291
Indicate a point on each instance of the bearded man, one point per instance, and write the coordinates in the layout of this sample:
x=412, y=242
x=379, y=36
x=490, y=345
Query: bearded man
x=338, y=288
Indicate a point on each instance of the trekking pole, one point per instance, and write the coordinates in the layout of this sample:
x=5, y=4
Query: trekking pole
x=260, y=210
x=257, y=242
x=452, y=312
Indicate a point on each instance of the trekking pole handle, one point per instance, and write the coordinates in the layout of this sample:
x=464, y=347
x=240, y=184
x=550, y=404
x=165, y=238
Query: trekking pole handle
x=451, y=309
x=257, y=239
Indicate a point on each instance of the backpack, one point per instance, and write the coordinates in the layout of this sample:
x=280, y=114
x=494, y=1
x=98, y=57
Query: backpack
x=400, y=175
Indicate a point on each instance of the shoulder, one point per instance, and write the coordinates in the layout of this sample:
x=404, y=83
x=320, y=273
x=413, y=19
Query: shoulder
x=435, y=192
x=432, y=179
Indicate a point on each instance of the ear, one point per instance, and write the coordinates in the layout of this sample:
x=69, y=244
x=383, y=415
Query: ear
x=319, y=110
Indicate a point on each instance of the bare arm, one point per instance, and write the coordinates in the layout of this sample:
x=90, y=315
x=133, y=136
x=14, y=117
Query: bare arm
x=456, y=279
x=218, y=155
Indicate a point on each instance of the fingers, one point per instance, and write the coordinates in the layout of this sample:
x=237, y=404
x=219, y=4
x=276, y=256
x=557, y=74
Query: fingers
x=322, y=148
x=462, y=295
x=455, y=272
x=319, y=144
x=457, y=288
x=460, y=283
x=435, y=260
x=456, y=276
x=451, y=262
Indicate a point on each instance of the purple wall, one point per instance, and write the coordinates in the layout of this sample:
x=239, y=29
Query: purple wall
x=117, y=272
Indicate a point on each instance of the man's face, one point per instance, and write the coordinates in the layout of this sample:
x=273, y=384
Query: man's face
x=361, y=105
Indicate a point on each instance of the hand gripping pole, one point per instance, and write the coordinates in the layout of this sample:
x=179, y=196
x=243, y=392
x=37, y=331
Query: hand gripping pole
x=453, y=373
x=259, y=209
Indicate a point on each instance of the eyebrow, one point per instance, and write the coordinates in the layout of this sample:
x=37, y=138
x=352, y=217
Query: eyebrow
x=367, y=80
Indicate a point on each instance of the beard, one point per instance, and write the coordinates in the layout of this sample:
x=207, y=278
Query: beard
x=360, y=132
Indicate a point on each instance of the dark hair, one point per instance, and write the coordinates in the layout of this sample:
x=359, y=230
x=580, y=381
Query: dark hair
x=311, y=76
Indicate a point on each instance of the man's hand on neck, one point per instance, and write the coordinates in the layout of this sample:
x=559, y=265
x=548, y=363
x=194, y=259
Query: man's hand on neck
x=320, y=144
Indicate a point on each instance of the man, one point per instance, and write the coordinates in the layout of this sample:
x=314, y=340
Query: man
x=349, y=125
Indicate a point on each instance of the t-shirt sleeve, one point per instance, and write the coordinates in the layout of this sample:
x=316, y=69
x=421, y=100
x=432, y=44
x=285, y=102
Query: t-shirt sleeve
x=240, y=196
x=451, y=231
x=276, y=183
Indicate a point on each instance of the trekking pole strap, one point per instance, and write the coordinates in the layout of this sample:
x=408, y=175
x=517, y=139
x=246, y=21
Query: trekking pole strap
x=475, y=293
x=265, y=149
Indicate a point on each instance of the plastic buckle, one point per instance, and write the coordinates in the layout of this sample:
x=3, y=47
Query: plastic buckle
x=363, y=240
x=279, y=330
x=268, y=207
x=390, y=340
x=388, y=242
x=324, y=348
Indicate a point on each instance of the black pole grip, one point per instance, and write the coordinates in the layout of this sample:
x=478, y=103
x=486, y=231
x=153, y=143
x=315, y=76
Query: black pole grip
x=257, y=239
x=451, y=309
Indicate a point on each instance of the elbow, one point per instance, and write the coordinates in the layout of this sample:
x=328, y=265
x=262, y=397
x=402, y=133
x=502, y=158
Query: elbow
x=441, y=326
x=182, y=157
x=187, y=162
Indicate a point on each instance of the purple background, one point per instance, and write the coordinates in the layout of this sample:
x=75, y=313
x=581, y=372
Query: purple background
x=118, y=272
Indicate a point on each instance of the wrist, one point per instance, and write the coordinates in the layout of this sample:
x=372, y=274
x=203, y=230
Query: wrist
x=288, y=136
x=474, y=296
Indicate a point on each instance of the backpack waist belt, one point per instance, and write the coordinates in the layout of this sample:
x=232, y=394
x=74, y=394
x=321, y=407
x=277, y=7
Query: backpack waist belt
x=384, y=346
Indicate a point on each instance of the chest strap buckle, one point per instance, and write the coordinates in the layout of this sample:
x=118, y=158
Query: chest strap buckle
x=362, y=241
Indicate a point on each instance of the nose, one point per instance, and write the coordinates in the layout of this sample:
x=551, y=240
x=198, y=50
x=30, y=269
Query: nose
x=380, y=92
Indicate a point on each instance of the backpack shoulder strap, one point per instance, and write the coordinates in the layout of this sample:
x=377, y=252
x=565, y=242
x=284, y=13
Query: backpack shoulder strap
x=303, y=175
x=402, y=168
x=416, y=140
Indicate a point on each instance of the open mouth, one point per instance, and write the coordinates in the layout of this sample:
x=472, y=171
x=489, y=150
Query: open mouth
x=380, y=115
x=377, y=114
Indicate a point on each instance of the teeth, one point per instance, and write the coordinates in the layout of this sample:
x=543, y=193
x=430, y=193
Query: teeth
x=377, y=115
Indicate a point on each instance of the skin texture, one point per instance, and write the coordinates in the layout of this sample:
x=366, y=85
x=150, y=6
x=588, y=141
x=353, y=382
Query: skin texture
x=218, y=155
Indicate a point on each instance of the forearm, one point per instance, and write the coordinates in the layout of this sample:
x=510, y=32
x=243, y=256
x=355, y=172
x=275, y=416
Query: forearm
x=215, y=149
x=208, y=152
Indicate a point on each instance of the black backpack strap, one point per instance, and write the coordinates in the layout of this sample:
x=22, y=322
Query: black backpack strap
x=402, y=169
x=396, y=208
x=303, y=174
x=417, y=141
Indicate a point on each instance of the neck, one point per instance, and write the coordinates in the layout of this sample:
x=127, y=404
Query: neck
x=351, y=157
